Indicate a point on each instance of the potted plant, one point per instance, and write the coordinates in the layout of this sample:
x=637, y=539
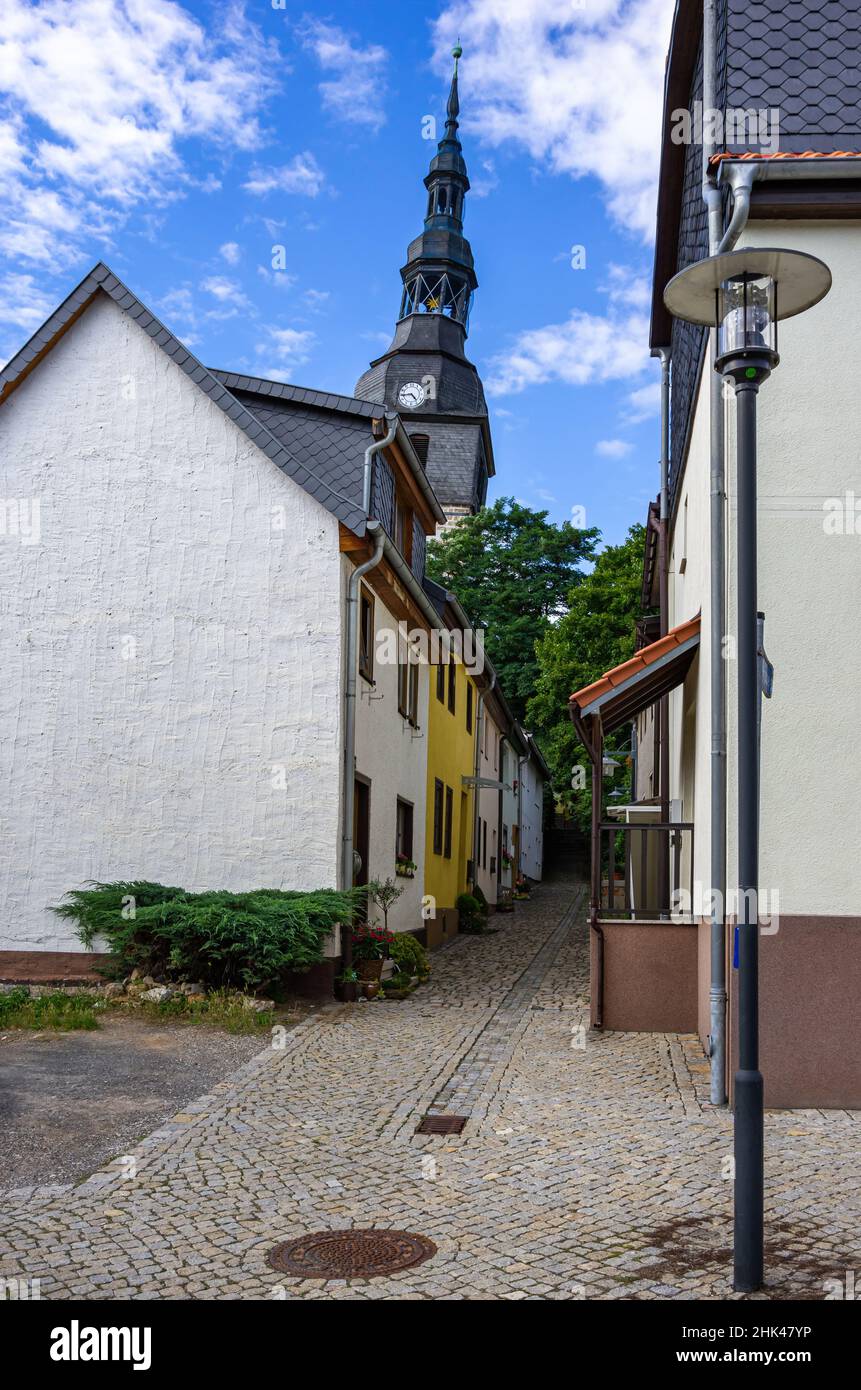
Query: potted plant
x=505, y=900
x=369, y=949
x=521, y=888
x=405, y=867
x=348, y=986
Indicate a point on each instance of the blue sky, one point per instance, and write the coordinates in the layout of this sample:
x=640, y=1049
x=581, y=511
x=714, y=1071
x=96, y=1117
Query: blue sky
x=181, y=143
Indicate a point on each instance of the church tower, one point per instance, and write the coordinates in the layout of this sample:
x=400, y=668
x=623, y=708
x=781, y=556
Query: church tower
x=425, y=375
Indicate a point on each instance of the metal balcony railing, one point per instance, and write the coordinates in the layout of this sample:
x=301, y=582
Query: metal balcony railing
x=643, y=867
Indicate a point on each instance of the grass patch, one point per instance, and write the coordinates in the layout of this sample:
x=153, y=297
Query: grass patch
x=220, y=1009
x=58, y=1011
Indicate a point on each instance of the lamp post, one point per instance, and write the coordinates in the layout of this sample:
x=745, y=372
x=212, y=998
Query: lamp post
x=744, y=294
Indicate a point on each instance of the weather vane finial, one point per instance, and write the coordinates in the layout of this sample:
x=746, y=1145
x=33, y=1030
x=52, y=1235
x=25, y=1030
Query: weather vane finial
x=456, y=53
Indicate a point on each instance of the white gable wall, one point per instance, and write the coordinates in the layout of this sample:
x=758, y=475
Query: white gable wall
x=170, y=704
x=531, y=819
x=392, y=756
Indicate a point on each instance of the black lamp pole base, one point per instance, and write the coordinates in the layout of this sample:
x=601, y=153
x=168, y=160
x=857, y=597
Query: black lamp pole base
x=749, y=1182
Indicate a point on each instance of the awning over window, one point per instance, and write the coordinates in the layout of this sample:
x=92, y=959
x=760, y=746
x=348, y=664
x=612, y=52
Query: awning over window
x=623, y=693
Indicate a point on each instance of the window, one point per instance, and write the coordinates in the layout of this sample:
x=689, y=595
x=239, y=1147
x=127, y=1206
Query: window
x=469, y=707
x=437, y=815
x=484, y=845
x=495, y=747
x=449, y=817
x=366, y=635
x=403, y=536
x=408, y=688
x=452, y=687
x=440, y=683
x=404, y=834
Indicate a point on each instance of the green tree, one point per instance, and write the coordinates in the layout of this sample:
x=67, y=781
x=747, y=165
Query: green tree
x=512, y=571
x=595, y=634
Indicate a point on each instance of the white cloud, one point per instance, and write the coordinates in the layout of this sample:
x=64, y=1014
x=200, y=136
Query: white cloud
x=287, y=348
x=302, y=175
x=580, y=87
x=588, y=348
x=613, y=448
x=104, y=94
x=225, y=290
x=625, y=286
x=231, y=252
x=643, y=404
x=22, y=303
x=356, y=92
x=482, y=185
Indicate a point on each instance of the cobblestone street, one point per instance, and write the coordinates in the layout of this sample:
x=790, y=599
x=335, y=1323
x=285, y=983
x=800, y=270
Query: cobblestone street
x=590, y=1166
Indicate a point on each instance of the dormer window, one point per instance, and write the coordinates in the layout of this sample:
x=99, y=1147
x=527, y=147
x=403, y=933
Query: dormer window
x=403, y=536
x=421, y=444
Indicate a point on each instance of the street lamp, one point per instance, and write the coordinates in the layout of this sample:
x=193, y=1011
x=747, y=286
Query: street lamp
x=744, y=294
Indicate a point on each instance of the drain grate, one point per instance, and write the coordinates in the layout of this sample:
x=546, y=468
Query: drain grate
x=350, y=1254
x=442, y=1124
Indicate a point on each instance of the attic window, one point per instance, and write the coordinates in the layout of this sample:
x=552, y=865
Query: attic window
x=421, y=443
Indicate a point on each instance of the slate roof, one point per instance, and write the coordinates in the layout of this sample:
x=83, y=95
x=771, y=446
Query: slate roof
x=317, y=452
x=329, y=433
x=801, y=57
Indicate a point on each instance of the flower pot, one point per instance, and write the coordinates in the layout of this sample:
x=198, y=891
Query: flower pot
x=369, y=969
x=370, y=988
x=347, y=991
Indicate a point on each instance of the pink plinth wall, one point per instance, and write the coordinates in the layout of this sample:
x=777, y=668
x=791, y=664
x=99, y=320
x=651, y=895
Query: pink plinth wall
x=650, y=977
x=809, y=992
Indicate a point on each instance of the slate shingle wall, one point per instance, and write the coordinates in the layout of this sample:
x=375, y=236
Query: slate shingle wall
x=804, y=59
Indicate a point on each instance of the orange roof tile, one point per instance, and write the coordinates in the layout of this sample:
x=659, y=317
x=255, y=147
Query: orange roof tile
x=646, y=656
x=787, y=154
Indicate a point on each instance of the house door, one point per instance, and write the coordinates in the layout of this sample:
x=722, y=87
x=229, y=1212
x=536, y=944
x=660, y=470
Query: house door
x=463, y=843
x=361, y=831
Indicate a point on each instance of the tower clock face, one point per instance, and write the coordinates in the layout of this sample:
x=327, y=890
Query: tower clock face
x=411, y=395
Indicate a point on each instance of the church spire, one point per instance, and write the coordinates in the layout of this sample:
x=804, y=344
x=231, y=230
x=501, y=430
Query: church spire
x=439, y=277
x=425, y=373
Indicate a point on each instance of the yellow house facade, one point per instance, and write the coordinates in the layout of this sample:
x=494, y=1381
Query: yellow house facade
x=449, y=822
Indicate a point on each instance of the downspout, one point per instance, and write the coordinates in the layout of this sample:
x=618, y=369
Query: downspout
x=503, y=739
x=476, y=832
x=664, y=354
x=518, y=870
x=742, y=179
x=351, y=675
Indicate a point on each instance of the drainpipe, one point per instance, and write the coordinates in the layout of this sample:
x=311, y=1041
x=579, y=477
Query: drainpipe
x=521, y=762
x=350, y=680
x=503, y=739
x=476, y=832
x=664, y=354
x=742, y=179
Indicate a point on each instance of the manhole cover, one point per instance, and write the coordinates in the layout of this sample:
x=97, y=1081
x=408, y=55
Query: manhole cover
x=442, y=1124
x=350, y=1254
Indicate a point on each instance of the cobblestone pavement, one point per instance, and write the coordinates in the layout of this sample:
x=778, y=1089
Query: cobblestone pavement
x=590, y=1165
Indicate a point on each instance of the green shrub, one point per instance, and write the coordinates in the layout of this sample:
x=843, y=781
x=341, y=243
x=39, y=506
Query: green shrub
x=241, y=939
x=64, y=1012
x=478, y=894
x=409, y=955
x=471, y=916
x=398, y=982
